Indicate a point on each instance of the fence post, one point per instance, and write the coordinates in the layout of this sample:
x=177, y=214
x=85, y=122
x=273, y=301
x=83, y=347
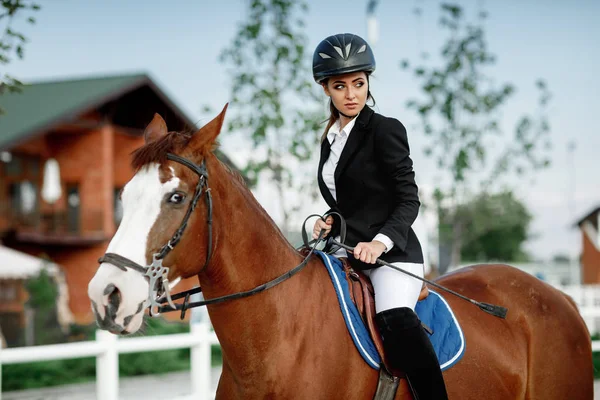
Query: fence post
x=1, y=366
x=107, y=367
x=200, y=361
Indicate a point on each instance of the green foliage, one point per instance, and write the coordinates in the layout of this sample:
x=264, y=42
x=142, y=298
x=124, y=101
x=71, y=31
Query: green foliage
x=596, y=358
x=43, y=293
x=496, y=228
x=79, y=333
x=47, y=373
x=12, y=42
x=62, y=372
x=461, y=105
x=460, y=114
x=273, y=100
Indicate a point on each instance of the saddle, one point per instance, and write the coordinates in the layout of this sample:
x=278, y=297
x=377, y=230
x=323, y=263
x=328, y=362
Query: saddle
x=363, y=296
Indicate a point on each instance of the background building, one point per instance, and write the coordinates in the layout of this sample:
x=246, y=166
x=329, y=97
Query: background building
x=65, y=155
x=589, y=225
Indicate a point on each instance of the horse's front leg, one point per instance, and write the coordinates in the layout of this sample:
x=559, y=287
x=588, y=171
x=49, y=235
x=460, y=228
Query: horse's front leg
x=226, y=389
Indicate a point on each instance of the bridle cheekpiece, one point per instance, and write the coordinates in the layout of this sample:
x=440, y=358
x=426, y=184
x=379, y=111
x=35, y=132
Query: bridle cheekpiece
x=156, y=273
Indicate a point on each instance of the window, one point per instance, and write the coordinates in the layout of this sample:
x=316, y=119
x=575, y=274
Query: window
x=19, y=185
x=13, y=166
x=8, y=291
x=20, y=165
x=73, y=208
x=23, y=197
x=117, y=206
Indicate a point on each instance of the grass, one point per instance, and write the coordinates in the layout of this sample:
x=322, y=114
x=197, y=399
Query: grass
x=596, y=358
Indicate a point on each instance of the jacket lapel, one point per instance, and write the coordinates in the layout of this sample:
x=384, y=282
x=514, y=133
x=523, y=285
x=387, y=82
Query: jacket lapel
x=354, y=141
x=325, y=150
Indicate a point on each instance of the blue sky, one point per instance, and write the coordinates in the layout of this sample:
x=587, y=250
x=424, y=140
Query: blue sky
x=178, y=42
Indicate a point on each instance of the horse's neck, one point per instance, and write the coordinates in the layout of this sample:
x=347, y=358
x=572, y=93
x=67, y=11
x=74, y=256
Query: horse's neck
x=249, y=251
x=248, y=245
x=277, y=334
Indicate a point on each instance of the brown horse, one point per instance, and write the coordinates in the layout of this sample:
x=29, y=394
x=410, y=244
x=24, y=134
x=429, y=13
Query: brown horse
x=290, y=341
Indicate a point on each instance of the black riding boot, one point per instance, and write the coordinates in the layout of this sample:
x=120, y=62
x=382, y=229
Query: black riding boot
x=408, y=348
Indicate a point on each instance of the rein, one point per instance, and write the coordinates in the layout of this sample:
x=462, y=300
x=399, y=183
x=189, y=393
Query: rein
x=260, y=288
x=159, y=291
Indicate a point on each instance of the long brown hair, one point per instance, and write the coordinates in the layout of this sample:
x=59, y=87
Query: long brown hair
x=334, y=114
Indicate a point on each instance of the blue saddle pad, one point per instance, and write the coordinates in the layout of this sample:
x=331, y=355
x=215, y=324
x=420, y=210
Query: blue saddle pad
x=447, y=339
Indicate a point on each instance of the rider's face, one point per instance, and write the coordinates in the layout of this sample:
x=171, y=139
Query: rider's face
x=348, y=92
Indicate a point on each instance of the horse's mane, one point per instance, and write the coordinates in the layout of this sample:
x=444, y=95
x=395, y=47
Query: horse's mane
x=235, y=174
x=173, y=142
x=157, y=151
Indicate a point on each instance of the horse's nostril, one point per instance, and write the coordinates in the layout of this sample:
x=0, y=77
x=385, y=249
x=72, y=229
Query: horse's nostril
x=114, y=296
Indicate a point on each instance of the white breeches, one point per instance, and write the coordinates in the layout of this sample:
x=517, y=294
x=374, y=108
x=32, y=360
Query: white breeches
x=395, y=289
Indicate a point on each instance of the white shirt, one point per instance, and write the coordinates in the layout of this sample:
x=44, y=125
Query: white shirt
x=337, y=140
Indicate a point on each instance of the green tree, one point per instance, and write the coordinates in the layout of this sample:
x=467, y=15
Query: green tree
x=497, y=226
x=12, y=42
x=43, y=293
x=460, y=115
x=273, y=100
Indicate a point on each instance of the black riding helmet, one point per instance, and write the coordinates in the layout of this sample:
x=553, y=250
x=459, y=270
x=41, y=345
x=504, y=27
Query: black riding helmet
x=342, y=54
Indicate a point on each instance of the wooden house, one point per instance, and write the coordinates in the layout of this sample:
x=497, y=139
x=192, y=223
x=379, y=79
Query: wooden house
x=82, y=130
x=589, y=226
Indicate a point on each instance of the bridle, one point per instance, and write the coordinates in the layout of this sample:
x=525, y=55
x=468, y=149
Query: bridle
x=159, y=291
x=156, y=272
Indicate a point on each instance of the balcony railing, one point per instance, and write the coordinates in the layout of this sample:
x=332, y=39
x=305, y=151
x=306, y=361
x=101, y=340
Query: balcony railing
x=59, y=227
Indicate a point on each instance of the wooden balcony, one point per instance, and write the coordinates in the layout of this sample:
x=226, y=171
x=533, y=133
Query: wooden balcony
x=57, y=228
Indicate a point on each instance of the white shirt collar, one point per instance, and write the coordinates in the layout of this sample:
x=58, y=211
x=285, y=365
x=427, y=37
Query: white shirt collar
x=335, y=130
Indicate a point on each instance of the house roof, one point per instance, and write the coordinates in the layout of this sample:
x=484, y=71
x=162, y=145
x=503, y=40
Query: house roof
x=593, y=212
x=40, y=106
x=129, y=99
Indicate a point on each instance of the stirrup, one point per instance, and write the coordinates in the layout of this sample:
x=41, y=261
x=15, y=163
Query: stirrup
x=387, y=386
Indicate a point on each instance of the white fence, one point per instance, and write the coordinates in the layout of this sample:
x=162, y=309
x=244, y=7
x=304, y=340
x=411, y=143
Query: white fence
x=107, y=347
x=587, y=298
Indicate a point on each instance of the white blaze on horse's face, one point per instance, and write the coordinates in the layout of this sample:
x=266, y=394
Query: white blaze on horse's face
x=120, y=297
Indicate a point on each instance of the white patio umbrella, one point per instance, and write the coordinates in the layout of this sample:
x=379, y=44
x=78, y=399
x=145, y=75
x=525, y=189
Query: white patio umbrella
x=51, y=188
x=17, y=265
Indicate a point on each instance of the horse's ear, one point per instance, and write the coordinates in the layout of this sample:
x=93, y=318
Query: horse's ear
x=205, y=137
x=156, y=129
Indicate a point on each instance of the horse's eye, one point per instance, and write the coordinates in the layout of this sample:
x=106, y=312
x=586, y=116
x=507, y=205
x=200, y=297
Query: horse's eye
x=176, y=198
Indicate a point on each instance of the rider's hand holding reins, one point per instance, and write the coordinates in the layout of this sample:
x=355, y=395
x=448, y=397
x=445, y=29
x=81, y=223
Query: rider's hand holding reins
x=369, y=252
x=325, y=225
